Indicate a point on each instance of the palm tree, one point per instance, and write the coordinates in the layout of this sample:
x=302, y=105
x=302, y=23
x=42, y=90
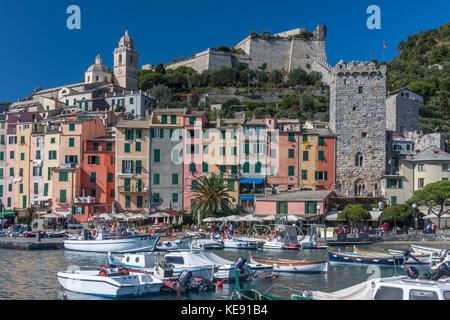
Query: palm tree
x=210, y=195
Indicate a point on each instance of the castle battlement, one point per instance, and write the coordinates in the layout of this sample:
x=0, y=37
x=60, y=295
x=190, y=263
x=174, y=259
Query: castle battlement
x=358, y=67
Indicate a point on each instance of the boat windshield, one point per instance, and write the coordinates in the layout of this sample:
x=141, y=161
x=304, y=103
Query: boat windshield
x=389, y=293
x=175, y=260
x=415, y=294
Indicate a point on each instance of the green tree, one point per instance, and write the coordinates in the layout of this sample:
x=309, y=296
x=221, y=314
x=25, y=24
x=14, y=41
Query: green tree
x=210, y=195
x=160, y=69
x=298, y=76
x=161, y=92
x=354, y=213
x=397, y=213
x=435, y=196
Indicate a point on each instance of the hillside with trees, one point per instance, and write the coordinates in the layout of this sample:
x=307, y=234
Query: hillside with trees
x=423, y=65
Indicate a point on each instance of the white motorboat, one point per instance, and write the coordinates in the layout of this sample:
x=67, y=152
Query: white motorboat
x=174, y=243
x=426, y=250
x=105, y=242
x=274, y=243
x=109, y=282
x=310, y=242
x=235, y=243
x=207, y=243
x=414, y=258
x=201, y=263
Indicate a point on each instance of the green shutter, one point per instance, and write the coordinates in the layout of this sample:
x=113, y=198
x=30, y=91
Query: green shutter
x=321, y=155
x=278, y=207
x=46, y=190
x=306, y=207
x=258, y=167
x=247, y=148
x=175, y=197
x=305, y=155
x=138, y=147
x=321, y=141
x=291, y=171
x=138, y=166
x=24, y=202
x=175, y=178
x=304, y=174
x=156, y=179
x=246, y=167
x=62, y=196
x=164, y=119
x=71, y=142
x=317, y=175
x=326, y=175
x=205, y=167
x=173, y=119
x=127, y=147
x=192, y=167
x=388, y=182
x=157, y=155
x=315, y=207
x=305, y=138
x=400, y=183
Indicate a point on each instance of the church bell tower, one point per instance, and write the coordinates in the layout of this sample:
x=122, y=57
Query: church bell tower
x=126, y=63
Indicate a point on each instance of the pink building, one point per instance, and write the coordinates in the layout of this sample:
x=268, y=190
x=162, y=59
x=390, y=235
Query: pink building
x=307, y=204
x=194, y=123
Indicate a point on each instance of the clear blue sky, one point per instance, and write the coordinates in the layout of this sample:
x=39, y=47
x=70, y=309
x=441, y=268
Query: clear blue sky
x=38, y=50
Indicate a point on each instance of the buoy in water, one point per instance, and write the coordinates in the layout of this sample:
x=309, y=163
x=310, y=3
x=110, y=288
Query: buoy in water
x=274, y=277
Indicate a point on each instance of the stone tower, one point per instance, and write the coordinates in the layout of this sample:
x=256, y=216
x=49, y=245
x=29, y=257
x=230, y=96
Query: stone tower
x=126, y=63
x=358, y=119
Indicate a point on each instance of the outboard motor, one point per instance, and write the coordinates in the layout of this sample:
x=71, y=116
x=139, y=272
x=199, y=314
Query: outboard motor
x=241, y=265
x=184, y=278
x=442, y=271
x=86, y=234
x=407, y=254
x=412, y=272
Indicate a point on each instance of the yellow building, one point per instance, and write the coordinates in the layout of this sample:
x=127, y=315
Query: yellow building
x=22, y=165
x=132, y=164
x=221, y=152
x=51, y=156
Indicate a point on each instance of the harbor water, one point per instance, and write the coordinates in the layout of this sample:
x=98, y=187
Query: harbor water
x=31, y=275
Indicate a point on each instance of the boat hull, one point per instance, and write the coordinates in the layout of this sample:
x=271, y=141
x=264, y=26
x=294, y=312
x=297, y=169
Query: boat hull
x=237, y=244
x=342, y=258
x=174, y=244
x=425, y=250
x=299, y=267
x=138, y=285
x=135, y=244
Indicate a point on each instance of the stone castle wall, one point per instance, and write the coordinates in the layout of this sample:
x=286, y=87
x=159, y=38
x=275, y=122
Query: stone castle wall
x=279, y=53
x=359, y=122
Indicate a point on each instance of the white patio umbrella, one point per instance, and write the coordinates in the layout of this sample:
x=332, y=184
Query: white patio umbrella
x=254, y=219
x=120, y=216
x=295, y=218
x=231, y=218
x=269, y=218
x=209, y=219
x=105, y=216
x=51, y=216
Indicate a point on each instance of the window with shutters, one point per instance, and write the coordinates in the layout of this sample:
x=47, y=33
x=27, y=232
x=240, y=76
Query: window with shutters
x=273, y=171
x=129, y=134
x=156, y=198
x=127, y=202
x=138, y=185
x=205, y=167
x=110, y=177
x=291, y=171
x=63, y=176
x=127, y=166
x=321, y=155
x=230, y=185
x=174, y=178
x=93, y=177
x=46, y=190
x=1, y=173
x=234, y=170
x=192, y=121
x=223, y=169
x=305, y=139
x=247, y=148
x=291, y=153
x=156, y=155
x=139, y=201
x=246, y=167
x=321, y=141
x=305, y=156
x=192, y=167
x=321, y=175
x=127, y=148
x=11, y=154
x=71, y=127
x=173, y=119
x=127, y=185
x=72, y=143
x=258, y=166
x=164, y=119
x=175, y=197
x=109, y=146
x=304, y=174
x=291, y=137
x=156, y=178
x=62, y=196
x=138, y=166
x=138, y=147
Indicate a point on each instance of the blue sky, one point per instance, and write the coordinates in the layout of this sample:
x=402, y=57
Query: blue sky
x=38, y=50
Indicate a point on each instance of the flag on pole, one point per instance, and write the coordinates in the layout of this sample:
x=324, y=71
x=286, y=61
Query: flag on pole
x=385, y=45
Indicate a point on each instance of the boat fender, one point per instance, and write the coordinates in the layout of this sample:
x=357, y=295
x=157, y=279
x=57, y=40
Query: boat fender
x=102, y=273
x=412, y=272
x=236, y=233
x=220, y=283
x=274, y=276
x=124, y=271
x=94, y=233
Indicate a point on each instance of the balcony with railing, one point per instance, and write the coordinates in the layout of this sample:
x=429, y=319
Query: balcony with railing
x=133, y=189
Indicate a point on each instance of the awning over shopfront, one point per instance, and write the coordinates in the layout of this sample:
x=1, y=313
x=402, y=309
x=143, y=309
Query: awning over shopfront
x=251, y=181
x=246, y=198
x=7, y=214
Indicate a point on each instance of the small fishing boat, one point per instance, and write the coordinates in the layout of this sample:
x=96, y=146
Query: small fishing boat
x=310, y=241
x=409, y=258
x=112, y=282
x=363, y=259
x=297, y=266
x=426, y=250
x=174, y=243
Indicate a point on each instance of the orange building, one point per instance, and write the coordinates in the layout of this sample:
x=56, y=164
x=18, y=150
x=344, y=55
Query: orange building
x=97, y=178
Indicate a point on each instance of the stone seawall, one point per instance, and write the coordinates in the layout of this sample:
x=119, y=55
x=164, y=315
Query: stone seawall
x=22, y=244
x=418, y=236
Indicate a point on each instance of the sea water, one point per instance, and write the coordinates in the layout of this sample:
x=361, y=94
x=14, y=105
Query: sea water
x=31, y=275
